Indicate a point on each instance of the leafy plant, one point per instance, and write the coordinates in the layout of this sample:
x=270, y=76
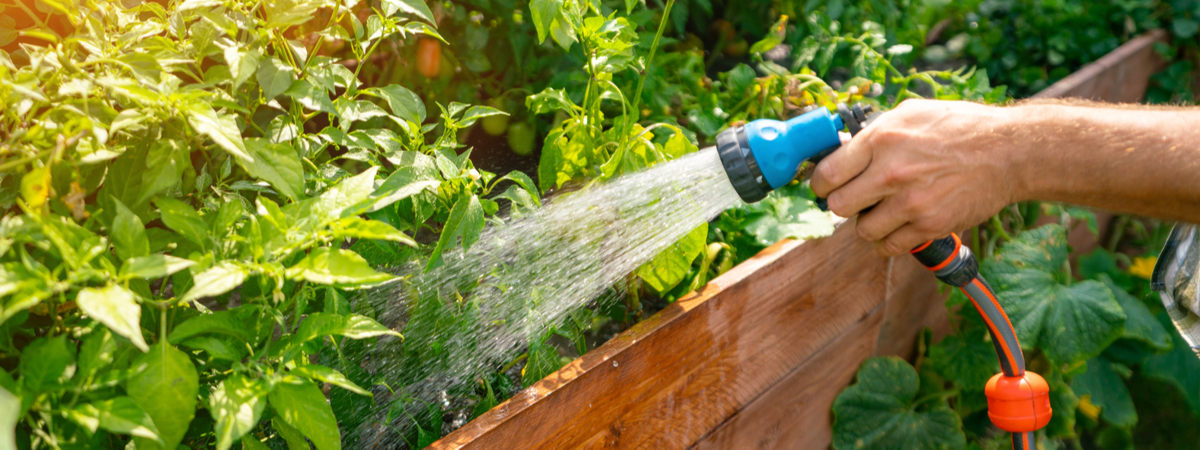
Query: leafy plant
x=180, y=183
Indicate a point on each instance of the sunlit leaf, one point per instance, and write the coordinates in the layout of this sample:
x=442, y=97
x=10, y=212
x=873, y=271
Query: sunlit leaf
x=167, y=389
x=116, y=308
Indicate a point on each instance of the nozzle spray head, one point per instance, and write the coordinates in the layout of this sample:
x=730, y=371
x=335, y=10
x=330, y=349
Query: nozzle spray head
x=765, y=155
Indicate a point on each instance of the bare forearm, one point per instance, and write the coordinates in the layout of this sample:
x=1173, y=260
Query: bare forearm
x=1142, y=161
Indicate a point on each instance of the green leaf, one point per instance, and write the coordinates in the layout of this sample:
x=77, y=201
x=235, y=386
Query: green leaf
x=678, y=145
x=542, y=361
x=1064, y=403
x=526, y=183
x=1178, y=367
x=217, y=347
x=550, y=100
x=1070, y=324
x=350, y=111
x=8, y=33
x=242, y=64
x=326, y=375
x=184, y=220
x=825, y=59
x=236, y=405
x=310, y=97
x=153, y=266
x=165, y=165
x=466, y=220
x=43, y=363
x=1107, y=391
x=294, y=438
x=336, y=267
x=115, y=307
x=741, y=78
x=543, y=13
x=786, y=214
x=277, y=164
x=404, y=103
x=968, y=358
x=10, y=405
x=275, y=77
x=128, y=233
x=249, y=442
x=336, y=202
x=222, y=129
x=415, y=7
x=219, y=279
x=118, y=415
x=241, y=323
x=401, y=184
x=353, y=326
x=1140, y=324
x=96, y=352
x=359, y=228
x=478, y=112
x=285, y=13
x=878, y=412
x=669, y=267
x=302, y=405
x=167, y=389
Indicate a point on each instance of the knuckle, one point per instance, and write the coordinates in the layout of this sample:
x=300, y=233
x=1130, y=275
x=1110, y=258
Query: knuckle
x=865, y=233
x=827, y=173
x=837, y=204
x=897, y=176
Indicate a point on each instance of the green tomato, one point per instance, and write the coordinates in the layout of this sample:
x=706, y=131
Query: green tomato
x=520, y=138
x=495, y=125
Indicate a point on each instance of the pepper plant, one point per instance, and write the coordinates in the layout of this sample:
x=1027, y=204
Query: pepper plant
x=162, y=161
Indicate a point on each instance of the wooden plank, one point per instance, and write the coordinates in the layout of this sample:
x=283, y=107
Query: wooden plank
x=674, y=377
x=795, y=412
x=913, y=303
x=1121, y=76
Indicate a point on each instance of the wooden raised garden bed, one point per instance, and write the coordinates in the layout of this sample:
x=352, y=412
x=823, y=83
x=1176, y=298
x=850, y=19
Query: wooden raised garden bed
x=756, y=358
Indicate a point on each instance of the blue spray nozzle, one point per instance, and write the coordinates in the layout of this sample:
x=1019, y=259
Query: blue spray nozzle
x=765, y=155
x=780, y=147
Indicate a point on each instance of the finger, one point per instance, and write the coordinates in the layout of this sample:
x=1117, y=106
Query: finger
x=844, y=137
x=903, y=240
x=841, y=166
x=885, y=218
x=860, y=193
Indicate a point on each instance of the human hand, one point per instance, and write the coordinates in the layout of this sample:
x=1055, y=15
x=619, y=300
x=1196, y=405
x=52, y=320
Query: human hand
x=929, y=167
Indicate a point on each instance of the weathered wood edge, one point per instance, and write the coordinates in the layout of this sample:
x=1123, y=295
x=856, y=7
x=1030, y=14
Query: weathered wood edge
x=1121, y=76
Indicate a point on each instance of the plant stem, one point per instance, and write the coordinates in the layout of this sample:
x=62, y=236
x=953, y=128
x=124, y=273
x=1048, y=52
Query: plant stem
x=41, y=24
x=662, y=25
x=1118, y=232
x=514, y=362
x=999, y=226
x=975, y=239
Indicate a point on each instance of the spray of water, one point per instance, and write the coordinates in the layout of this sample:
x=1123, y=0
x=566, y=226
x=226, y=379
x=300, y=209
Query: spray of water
x=523, y=276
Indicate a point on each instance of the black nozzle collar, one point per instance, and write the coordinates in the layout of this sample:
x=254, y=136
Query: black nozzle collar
x=740, y=165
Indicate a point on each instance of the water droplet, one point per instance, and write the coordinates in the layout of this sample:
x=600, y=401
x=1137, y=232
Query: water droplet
x=614, y=364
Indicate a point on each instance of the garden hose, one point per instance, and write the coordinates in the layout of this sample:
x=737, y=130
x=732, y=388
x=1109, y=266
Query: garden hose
x=765, y=155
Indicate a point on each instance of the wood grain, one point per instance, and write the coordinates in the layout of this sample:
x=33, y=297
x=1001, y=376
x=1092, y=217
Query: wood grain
x=676, y=376
x=795, y=412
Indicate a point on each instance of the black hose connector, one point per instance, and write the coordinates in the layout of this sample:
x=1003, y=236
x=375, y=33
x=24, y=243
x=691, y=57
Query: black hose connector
x=740, y=165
